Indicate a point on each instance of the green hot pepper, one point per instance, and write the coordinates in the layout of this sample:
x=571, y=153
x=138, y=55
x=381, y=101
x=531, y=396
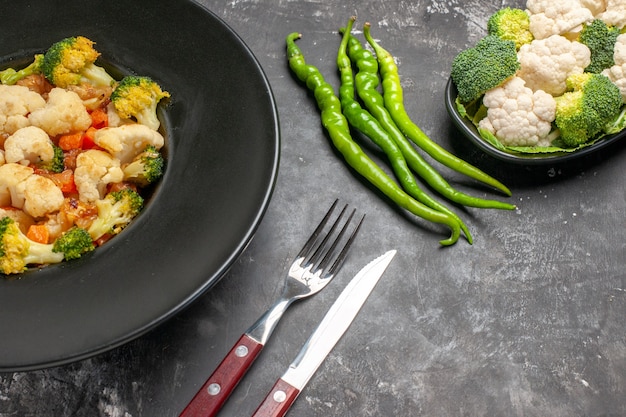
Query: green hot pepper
x=367, y=82
x=338, y=129
x=364, y=122
x=394, y=102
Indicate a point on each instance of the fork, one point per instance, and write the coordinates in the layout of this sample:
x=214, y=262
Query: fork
x=313, y=268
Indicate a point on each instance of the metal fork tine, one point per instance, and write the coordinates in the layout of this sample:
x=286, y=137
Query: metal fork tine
x=309, y=243
x=344, y=251
x=314, y=259
x=325, y=258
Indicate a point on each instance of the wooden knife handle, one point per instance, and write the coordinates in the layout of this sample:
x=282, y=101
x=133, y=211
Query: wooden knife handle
x=278, y=401
x=216, y=390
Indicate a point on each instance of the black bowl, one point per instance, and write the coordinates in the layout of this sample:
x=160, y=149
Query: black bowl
x=470, y=131
x=222, y=134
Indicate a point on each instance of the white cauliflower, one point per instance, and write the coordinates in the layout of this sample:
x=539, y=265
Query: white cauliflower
x=22, y=189
x=556, y=17
x=615, y=13
x=114, y=119
x=63, y=113
x=517, y=116
x=28, y=145
x=545, y=64
x=94, y=170
x=127, y=141
x=11, y=175
x=41, y=195
x=595, y=6
x=16, y=102
x=617, y=73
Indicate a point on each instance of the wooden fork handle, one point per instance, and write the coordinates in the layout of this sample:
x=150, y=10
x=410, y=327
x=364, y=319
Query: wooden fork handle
x=216, y=390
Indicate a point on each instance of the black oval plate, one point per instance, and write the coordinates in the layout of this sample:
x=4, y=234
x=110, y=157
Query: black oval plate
x=223, y=150
x=470, y=131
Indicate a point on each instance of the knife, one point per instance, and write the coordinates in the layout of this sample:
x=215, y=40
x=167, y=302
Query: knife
x=333, y=326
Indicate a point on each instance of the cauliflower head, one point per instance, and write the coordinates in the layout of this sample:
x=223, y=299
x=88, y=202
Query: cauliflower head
x=127, y=141
x=614, y=14
x=595, y=6
x=11, y=176
x=95, y=169
x=556, y=17
x=63, y=113
x=41, y=196
x=28, y=145
x=545, y=64
x=22, y=189
x=16, y=103
x=517, y=116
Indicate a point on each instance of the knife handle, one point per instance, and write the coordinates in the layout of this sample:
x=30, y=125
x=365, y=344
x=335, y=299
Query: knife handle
x=216, y=390
x=278, y=400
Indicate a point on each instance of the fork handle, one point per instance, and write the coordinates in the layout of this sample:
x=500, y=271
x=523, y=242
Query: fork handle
x=216, y=390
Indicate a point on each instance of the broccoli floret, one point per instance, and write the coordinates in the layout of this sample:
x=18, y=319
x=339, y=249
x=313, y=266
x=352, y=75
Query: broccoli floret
x=512, y=25
x=487, y=65
x=71, y=61
x=10, y=76
x=115, y=212
x=600, y=38
x=591, y=103
x=146, y=168
x=137, y=97
x=57, y=163
x=18, y=251
x=74, y=243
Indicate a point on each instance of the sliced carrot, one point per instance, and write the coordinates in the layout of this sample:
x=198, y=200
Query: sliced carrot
x=65, y=181
x=71, y=141
x=38, y=233
x=99, y=118
x=88, y=138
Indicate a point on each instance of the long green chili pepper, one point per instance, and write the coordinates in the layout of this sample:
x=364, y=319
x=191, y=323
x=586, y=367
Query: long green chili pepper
x=338, y=129
x=367, y=82
x=363, y=121
x=394, y=102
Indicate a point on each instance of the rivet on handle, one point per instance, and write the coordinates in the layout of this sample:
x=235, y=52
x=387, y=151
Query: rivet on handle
x=280, y=396
x=241, y=351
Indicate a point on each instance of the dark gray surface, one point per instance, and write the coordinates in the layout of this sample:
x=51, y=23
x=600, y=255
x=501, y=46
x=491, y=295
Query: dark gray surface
x=528, y=321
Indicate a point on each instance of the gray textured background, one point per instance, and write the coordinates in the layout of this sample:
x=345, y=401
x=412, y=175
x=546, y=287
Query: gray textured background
x=529, y=321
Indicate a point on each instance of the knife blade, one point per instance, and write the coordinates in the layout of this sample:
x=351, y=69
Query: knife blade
x=321, y=342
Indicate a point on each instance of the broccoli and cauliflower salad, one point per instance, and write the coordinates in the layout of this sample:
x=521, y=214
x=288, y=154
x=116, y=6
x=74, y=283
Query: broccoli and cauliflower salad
x=548, y=78
x=78, y=150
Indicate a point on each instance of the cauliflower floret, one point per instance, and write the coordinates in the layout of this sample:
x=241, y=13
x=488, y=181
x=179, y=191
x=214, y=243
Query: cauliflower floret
x=615, y=13
x=16, y=102
x=28, y=145
x=41, y=196
x=114, y=119
x=94, y=170
x=63, y=113
x=595, y=6
x=545, y=64
x=127, y=141
x=517, y=116
x=556, y=17
x=619, y=50
x=11, y=176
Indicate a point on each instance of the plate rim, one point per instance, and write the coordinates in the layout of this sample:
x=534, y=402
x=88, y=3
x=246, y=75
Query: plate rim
x=469, y=131
x=271, y=168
